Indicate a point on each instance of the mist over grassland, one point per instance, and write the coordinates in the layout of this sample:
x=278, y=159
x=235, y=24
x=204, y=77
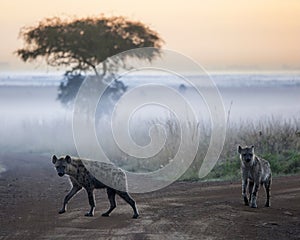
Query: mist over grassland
x=262, y=110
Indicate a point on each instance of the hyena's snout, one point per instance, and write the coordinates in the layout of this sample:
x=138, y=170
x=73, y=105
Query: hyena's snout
x=60, y=171
x=247, y=157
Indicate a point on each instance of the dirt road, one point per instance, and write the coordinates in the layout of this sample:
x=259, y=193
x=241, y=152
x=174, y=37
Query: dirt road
x=31, y=194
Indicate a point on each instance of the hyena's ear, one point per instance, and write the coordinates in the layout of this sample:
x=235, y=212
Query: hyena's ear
x=239, y=148
x=252, y=148
x=54, y=159
x=68, y=159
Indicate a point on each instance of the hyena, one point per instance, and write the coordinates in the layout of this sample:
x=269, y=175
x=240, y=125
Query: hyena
x=257, y=171
x=80, y=178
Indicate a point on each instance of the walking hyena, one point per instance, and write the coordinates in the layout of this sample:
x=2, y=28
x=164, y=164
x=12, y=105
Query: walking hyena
x=257, y=171
x=81, y=178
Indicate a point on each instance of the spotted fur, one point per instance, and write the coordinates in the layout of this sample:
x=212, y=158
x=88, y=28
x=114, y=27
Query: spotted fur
x=258, y=172
x=80, y=178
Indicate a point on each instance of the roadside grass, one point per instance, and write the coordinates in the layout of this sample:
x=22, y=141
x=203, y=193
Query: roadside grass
x=275, y=140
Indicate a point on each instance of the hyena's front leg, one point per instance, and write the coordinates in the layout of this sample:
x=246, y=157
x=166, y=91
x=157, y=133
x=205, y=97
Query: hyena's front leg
x=73, y=191
x=251, y=184
x=91, y=197
x=244, y=188
x=253, y=203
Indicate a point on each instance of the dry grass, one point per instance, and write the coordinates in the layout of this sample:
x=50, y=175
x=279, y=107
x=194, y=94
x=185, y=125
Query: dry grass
x=277, y=140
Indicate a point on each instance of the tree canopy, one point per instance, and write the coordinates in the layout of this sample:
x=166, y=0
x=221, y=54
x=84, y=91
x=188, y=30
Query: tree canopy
x=82, y=44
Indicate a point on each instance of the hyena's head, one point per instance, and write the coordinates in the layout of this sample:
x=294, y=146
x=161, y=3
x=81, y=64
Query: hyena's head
x=246, y=153
x=61, y=164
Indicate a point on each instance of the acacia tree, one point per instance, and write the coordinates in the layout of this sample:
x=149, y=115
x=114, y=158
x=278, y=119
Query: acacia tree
x=82, y=44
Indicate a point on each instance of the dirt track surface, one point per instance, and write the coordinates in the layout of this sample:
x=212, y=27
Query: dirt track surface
x=31, y=194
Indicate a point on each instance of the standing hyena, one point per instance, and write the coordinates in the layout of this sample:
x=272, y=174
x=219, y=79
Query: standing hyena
x=81, y=177
x=257, y=171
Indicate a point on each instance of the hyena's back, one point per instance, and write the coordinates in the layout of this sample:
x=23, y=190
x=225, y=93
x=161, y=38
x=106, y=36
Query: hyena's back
x=108, y=174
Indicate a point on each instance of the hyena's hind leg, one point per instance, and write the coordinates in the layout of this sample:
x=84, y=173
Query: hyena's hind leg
x=267, y=185
x=111, y=194
x=130, y=201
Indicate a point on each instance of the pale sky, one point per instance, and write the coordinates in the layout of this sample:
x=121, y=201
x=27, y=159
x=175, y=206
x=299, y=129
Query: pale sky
x=219, y=34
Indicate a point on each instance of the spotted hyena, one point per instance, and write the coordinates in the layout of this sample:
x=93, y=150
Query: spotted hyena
x=80, y=178
x=257, y=171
